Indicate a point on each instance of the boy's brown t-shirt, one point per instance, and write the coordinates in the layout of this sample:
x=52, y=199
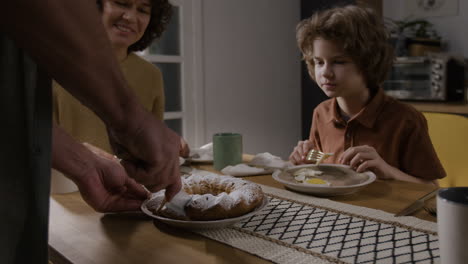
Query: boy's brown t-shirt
x=397, y=131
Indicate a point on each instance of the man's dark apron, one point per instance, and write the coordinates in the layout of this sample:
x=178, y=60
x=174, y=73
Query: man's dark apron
x=25, y=136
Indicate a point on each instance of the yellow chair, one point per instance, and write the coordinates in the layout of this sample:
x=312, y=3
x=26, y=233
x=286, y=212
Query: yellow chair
x=449, y=135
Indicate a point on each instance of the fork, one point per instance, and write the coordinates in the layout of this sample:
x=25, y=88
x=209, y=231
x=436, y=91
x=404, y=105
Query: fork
x=317, y=156
x=431, y=210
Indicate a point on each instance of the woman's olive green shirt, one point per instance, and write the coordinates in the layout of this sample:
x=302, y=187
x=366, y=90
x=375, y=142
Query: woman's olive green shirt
x=82, y=124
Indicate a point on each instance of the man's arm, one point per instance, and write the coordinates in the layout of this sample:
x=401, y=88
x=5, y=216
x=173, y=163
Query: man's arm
x=66, y=39
x=102, y=181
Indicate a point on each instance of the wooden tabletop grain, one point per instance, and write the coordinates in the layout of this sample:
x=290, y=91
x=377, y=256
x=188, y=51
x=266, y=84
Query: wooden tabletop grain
x=78, y=234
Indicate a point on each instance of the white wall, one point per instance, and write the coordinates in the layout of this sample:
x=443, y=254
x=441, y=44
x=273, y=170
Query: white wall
x=452, y=29
x=252, y=72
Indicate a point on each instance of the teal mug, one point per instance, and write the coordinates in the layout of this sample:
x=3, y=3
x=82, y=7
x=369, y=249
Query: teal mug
x=227, y=150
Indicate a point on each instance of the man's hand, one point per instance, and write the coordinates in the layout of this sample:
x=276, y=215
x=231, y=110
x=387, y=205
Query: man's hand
x=102, y=181
x=107, y=188
x=150, y=153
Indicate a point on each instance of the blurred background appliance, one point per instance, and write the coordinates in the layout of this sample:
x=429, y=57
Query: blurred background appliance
x=434, y=77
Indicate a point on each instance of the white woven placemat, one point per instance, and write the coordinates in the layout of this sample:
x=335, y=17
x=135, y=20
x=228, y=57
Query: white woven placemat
x=296, y=228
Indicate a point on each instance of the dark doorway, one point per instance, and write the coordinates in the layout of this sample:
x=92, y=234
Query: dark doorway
x=310, y=92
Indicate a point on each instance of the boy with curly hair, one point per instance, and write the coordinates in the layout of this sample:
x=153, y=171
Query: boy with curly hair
x=348, y=55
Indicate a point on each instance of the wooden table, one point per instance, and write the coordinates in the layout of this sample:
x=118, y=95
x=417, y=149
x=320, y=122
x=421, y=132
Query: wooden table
x=79, y=235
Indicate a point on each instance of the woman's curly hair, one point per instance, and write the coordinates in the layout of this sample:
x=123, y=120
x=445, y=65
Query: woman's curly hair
x=161, y=13
x=359, y=31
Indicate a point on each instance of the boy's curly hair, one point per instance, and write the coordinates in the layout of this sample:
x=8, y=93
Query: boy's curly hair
x=359, y=31
x=161, y=13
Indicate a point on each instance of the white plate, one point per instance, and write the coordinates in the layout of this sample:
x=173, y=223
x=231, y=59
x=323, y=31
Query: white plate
x=200, y=160
x=205, y=151
x=203, y=224
x=343, y=179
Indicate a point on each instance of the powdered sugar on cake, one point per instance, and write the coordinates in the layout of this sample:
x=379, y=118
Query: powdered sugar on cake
x=242, y=190
x=212, y=197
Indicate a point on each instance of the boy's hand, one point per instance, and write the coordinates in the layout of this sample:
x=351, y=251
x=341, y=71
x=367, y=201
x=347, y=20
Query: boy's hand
x=298, y=156
x=362, y=158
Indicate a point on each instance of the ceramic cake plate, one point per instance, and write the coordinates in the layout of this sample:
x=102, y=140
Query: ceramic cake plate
x=202, y=224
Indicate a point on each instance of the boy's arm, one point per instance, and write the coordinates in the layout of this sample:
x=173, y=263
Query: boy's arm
x=418, y=161
x=363, y=158
x=397, y=174
x=300, y=151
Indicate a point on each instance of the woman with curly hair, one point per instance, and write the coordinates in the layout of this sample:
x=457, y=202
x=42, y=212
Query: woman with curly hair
x=149, y=22
x=131, y=25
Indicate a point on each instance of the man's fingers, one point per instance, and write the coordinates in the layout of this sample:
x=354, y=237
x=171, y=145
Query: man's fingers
x=156, y=187
x=172, y=190
x=175, y=182
x=118, y=189
x=98, y=151
x=137, y=172
x=121, y=205
x=136, y=190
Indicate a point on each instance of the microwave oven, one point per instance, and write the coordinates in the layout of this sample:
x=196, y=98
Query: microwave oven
x=435, y=77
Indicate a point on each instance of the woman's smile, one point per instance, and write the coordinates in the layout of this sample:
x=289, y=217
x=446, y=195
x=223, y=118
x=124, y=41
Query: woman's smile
x=125, y=21
x=124, y=28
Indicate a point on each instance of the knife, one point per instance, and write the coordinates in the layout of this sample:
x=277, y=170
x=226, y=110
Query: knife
x=418, y=204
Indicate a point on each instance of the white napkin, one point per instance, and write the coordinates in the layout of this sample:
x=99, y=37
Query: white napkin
x=204, y=152
x=181, y=161
x=242, y=169
x=262, y=163
x=267, y=160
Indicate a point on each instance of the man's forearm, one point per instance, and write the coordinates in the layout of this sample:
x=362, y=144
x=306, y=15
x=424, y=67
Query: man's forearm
x=67, y=39
x=69, y=156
